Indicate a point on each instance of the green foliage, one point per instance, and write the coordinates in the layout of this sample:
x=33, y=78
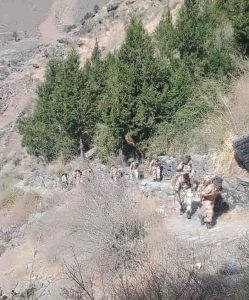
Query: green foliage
x=238, y=12
x=66, y=106
x=152, y=86
x=104, y=142
x=133, y=86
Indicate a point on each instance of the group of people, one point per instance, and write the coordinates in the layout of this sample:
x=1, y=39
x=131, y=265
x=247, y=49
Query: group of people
x=136, y=170
x=75, y=179
x=187, y=189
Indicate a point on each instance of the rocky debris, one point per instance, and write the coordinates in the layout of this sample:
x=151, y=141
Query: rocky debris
x=241, y=149
x=169, y=165
x=69, y=28
x=234, y=193
x=41, y=179
x=200, y=164
x=148, y=187
x=128, y=2
x=231, y=266
x=113, y=5
x=91, y=153
x=34, y=218
x=10, y=236
x=242, y=181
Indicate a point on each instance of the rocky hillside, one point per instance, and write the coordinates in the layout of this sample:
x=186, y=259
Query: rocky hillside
x=137, y=222
x=23, y=57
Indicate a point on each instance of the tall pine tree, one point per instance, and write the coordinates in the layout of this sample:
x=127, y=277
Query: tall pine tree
x=133, y=86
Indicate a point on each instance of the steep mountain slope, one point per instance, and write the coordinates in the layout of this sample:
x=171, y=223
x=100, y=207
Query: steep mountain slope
x=22, y=62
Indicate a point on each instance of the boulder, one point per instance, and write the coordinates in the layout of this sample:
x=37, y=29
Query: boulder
x=231, y=266
x=200, y=164
x=169, y=165
x=128, y=2
x=241, y=151
x=148, y=187
x=34, y=218
x=167, y=187
x=243, y=181
x=113, y=5
x=90, y=154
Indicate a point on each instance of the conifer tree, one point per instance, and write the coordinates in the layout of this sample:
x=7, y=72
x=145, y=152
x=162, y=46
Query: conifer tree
x=133, y=84
x=94, y=80
x=165, y=37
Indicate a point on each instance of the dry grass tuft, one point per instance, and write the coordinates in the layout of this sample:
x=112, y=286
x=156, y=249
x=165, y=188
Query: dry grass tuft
x=223, y=159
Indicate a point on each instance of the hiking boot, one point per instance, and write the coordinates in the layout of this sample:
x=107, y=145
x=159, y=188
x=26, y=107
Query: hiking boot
x=182, y=209
x=209, y=225
x=189, y=215
x=202, y=221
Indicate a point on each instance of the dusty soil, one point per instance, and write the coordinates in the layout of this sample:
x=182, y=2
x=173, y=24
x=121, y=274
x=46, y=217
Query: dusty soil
x=23, y=15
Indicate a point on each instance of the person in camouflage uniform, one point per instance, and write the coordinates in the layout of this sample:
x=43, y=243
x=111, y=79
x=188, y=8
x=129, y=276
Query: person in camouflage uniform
x=208, y=196
x=155, y=169
x=64, y=181
x=134, y=169
x=185, y=164
x=184, y=193
x=114, y=173
x=78, y=178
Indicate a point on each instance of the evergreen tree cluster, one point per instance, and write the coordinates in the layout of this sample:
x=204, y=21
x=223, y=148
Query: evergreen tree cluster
x=149, y=82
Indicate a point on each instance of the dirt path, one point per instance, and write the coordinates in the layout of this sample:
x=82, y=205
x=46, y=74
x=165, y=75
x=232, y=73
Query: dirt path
x=229, y=227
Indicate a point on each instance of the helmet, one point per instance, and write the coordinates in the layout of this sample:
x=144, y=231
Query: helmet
x=187, y=158
x=218, y=181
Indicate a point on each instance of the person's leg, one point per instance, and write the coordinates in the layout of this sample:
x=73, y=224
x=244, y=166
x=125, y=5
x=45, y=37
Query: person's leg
x=203, y=213
x=209, y=214
x=188, y=202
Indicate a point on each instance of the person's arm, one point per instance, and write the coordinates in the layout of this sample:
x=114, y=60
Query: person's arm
x=179, y=167
x=208, y=192
x=177, y=189
x=150, y=166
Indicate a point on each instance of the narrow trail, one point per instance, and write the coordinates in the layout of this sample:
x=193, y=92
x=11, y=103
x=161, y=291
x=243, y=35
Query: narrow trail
x=228, y=228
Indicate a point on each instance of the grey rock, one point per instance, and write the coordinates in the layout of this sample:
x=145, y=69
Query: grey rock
x=68, y=28
x=169, y=165
x=41, y=179
x=23, y=228
x=63, y=41
x=36, y=66
x=4, y=72
x=91, y=153
x=34, y=218
x=113, y=5
x=226, y=186
x=128, y=2
x=148, y=186
x=2, y=249
x=167, y=188
x=231, y=266
x=15, y=242
x=6, y=37
x=243, y=181
x=199, y=164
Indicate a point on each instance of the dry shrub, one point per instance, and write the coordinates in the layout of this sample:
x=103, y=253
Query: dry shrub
x=172, y=271
x=223, y=159
x=107, y=221
x=99, y=221
x=8, y=194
